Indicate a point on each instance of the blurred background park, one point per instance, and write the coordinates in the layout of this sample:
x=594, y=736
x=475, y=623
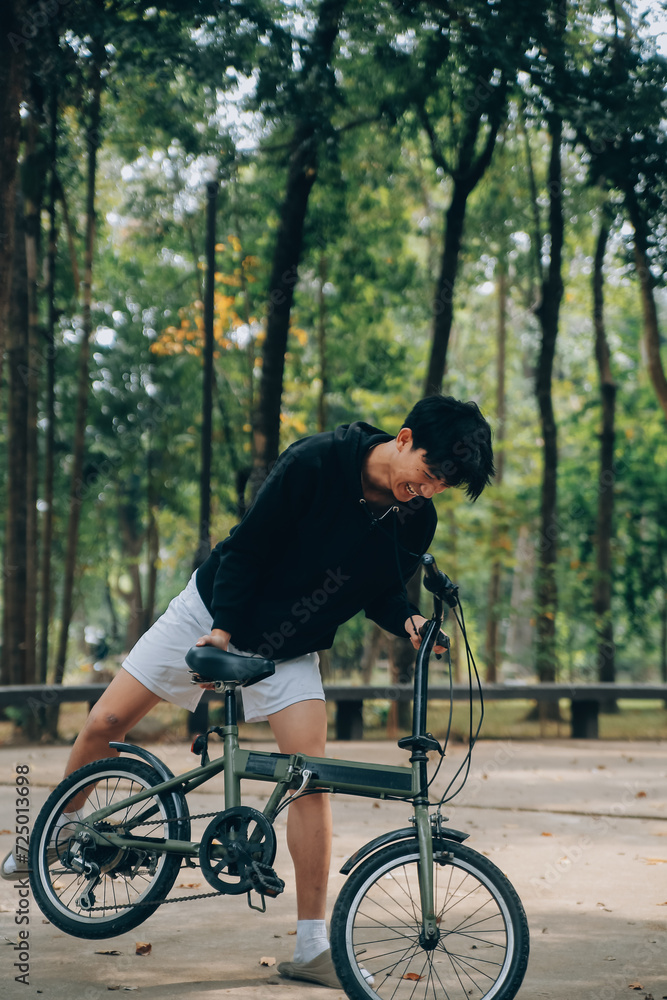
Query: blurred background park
x=228, y=225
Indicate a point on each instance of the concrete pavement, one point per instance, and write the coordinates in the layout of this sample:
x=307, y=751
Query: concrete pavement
x=579, y=827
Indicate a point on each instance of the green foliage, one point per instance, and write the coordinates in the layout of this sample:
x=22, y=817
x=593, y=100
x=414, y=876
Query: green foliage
x=174, y=115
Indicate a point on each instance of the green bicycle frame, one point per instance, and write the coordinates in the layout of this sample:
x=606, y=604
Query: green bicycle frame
x=289, y=772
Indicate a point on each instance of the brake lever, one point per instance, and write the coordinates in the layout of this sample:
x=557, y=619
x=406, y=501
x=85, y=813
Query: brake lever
x=441, y=639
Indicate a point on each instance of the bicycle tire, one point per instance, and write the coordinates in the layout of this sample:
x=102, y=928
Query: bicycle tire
x=127, y=877
x=483, y=949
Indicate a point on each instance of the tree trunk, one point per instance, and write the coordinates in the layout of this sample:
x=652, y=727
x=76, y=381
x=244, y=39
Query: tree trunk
x=322, y=347
x=548, y=314
x=498, y=528
x=204, y=546
x=650, y=315
x=12, y=60
x=46, y=599
x=32, y=200
x=301, y=175
x=153, y=542
x=602, y=589
x=300, y=179
x=132, y=535
x=443, y=304
x=14, y=661
x=520, y=631
x=76, y=486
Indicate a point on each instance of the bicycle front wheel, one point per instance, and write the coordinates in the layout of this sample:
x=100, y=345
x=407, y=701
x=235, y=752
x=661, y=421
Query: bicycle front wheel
x=482, y=951
x=119, y=887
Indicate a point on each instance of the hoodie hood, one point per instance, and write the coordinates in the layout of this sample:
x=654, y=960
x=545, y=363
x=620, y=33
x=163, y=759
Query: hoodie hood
x=352, y=443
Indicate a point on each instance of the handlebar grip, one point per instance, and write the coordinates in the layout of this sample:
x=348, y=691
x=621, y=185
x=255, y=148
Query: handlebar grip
x=438, y=583
x=431, y=572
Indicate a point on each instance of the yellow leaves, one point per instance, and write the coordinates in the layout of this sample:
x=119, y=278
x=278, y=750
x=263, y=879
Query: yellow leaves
x=503, y=541
x=294, y=423
x=189, y=336
x=300, y=335
x=230, y=279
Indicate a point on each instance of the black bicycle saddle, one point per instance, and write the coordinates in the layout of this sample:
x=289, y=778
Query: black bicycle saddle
x=213, y=664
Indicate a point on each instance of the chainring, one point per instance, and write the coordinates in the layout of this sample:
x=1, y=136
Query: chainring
x=232, y=842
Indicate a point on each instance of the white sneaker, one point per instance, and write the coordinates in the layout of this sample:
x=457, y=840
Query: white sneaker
x=15, y=867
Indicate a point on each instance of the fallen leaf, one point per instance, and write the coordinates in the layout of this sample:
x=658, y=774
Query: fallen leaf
x=143, y=948
x=6, y=831
x=122, y=987
x=635, y=986
x=414, y=976
x=291, y=932
x=655, y=861
x=188, y=885
x=265, y=960
x=661, y=904
x=107, y=953
x=376, y=805
x=546, y=834
x=640, y=795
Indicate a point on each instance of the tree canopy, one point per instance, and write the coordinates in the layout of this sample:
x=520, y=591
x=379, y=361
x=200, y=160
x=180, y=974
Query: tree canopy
x=409, y=199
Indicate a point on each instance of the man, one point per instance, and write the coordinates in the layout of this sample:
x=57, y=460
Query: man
x=338, y=527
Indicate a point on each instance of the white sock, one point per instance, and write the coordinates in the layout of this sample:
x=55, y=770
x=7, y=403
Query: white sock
x=311, y=939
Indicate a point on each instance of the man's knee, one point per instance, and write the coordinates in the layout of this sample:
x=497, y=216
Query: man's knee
x=101, y=722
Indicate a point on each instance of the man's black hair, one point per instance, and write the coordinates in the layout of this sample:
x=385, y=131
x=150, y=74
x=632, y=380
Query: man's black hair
x=457, y=441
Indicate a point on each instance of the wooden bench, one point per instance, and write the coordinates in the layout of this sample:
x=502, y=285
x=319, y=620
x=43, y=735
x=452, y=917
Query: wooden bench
x=349, y=699
x=585, y=700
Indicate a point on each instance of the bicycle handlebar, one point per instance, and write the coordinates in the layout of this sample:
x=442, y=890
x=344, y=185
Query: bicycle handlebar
x=438, y=583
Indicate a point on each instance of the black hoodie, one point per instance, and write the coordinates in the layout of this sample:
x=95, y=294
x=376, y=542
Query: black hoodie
x=309, y=554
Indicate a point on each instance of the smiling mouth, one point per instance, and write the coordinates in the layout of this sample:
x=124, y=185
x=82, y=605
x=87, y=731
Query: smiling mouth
x=410, y=490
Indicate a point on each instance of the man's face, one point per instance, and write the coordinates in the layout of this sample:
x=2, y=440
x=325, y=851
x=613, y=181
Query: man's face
x=410, y=475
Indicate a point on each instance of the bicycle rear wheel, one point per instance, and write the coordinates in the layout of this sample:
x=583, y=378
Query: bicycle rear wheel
x=482, y=953
x=103, y=904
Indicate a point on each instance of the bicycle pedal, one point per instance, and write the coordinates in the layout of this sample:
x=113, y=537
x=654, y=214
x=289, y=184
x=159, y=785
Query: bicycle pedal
x=265, y=880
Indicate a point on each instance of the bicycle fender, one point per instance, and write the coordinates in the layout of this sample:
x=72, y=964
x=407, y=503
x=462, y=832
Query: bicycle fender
x=406, y=833
x=165, y=773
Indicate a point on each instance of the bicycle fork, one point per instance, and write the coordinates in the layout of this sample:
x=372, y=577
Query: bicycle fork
x=430, y=932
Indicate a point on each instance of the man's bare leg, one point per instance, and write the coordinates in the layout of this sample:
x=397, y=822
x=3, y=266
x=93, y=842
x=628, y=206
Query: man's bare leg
x=302, y=728
x=124, y=703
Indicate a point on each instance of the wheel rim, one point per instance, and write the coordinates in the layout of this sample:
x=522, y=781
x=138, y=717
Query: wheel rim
x=126, y=877
x=473, y=957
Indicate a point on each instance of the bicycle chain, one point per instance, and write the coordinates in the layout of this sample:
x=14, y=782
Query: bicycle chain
x=178, y=899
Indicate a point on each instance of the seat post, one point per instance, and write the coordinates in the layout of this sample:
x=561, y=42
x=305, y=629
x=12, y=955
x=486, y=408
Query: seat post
x=231, y=742
x=231, y=716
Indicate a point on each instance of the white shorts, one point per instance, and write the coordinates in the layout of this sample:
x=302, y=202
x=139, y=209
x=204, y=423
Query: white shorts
x=158, y=662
